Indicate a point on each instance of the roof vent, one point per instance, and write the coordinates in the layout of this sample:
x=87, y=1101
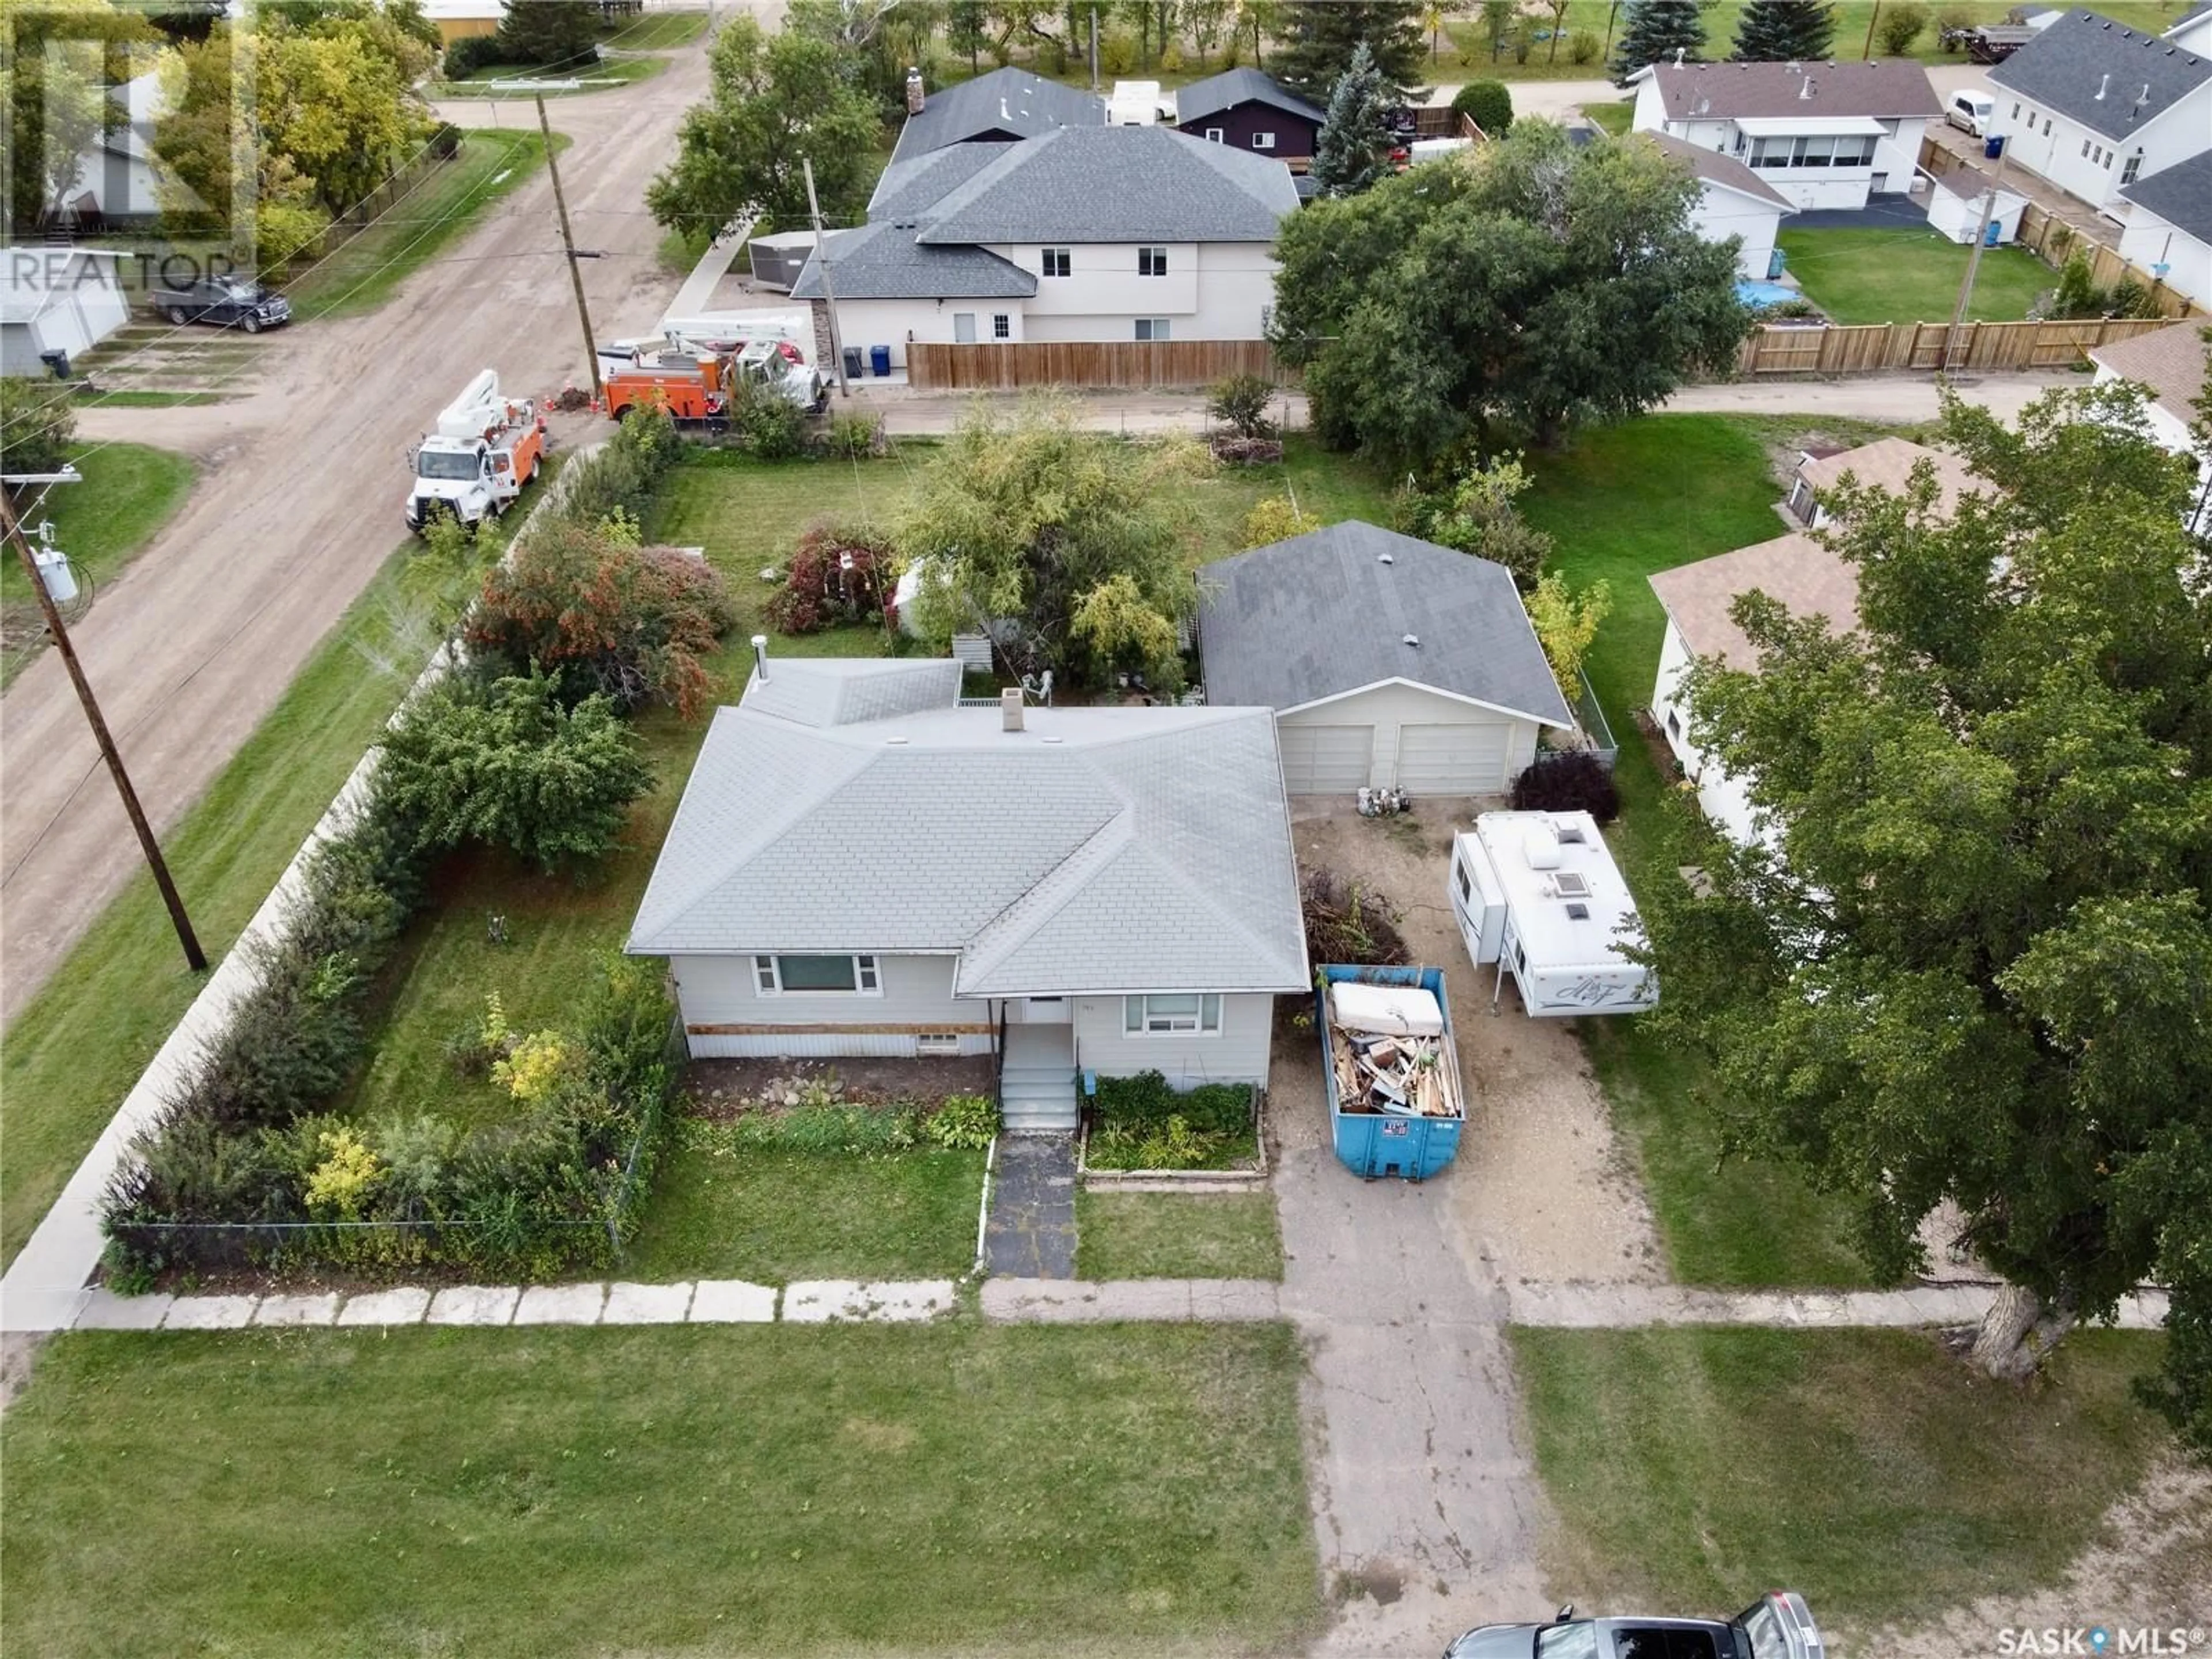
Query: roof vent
x=1010, y=708
x=2104, y=86
x=914, y=92
x=1571, y=885
x=1805, y=88
x=1413, y=640
x=1578, y=913
x=1680, y=52
x=1386, y=558
x=760, y=657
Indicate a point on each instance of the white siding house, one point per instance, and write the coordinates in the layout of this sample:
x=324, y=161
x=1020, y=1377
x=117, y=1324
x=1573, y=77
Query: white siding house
x=1733, y=201
x=2172, y=362
x=57, y=298
x=2168, y=229
x=2093, y=105
x=1822, y=135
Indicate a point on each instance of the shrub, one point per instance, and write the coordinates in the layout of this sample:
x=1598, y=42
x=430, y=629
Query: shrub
x=1117, y=52
x=965, y=1123
x=508, y=765
x=634, y=624
x=1488, y=104
x=856, y=437
x=1584, y=48
x=840, y=575
x=1345, y=922
x=1900, y=27
x=1952, y=24
x=1147, y=1101
x=765, y=422
x=1479, y=516
x=622, y=472
x=1566, y=622
x=1241, y=402
x=1568, y=780
x=465, y=57
x=446, y=141
x=1274, y=519
x=37, y=423
x=825, y=1128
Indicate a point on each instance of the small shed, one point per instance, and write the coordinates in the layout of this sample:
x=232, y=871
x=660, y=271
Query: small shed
x=57, y=299
x=1538, y=894
x=1960, y=217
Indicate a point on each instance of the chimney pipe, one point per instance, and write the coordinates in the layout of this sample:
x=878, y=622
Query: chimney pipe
x=2103, y=85
x=1680, y=52
x=914, y=92
x=1804, y=89
x=760, y=658
x=1009, y=709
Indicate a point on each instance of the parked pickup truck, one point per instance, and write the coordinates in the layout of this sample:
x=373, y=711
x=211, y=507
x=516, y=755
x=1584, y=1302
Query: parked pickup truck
x=226, y=301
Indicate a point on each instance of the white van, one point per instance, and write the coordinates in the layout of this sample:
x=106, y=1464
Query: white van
x=1973, y=110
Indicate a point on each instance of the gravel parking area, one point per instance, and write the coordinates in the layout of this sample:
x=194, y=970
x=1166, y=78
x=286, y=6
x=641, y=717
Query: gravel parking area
x=1541, y=1189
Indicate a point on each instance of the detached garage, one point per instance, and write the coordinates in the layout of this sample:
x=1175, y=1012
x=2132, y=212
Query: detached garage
x=1390, y=662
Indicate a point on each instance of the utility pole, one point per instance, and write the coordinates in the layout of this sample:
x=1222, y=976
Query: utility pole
x=828, y=295
x=1866, y=52
x=1974, y=258
x=195, y=958
x=569, y=247
x=1094, y=49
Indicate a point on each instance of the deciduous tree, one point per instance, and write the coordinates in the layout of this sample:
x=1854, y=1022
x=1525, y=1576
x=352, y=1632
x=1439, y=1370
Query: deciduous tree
x=772, y=102
x=1976, y=966
x=1537, y=285
x=61, y=55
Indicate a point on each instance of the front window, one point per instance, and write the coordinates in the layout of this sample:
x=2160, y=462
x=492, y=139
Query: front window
x=1151, y=328
x=1166, y=1014
x=444, y=463
x=1151, y=262
x=1263, y=141
x=798, y=975
x=1056, y=262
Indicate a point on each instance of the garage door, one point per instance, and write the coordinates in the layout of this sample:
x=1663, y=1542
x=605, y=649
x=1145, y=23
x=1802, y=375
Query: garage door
x=1463, y=758
x=1325, y=760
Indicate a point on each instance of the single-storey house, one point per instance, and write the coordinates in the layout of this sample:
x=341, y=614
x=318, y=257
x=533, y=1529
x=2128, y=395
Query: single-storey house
x=1733, y=201
x=1824, y=135
x=119, y=176
x=1390, y=662
x=57, y=298
x=2173, y=364
x=2168, y=229
x=1079, y=233
x=859, y=866
x=464, y=20
x=1885, y=464
x=1809, y=580
x=2093, y=105
x=1000, y=106
x=1247, y=110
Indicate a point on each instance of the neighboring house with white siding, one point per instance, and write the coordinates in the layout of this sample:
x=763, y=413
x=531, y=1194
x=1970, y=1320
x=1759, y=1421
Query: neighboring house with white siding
x=2168, y=229
x=1733, y=201
x=57, y=298
x=858, y=866
x=1077, y=233
x=2172, y=364
x=1823, y=134
x=1390, y=662
x=2092, y=106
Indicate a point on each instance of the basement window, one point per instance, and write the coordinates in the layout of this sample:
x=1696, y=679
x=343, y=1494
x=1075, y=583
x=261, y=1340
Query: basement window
x=936, y=1042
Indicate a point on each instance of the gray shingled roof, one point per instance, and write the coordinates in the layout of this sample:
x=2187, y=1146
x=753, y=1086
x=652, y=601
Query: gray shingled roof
x=1894, y=89
x=2181, y=195
x=883, y=261
x=1231, y=87
x=1098, y=850
x=910, y=187
x=1116, y=185
x=1712, y=167
x=1322, y=614
x=847, y=692
x=1011, y=102
x=2063, y=68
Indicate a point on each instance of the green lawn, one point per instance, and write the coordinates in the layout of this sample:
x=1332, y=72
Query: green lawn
x=1610, y=118
x=362, y=275
x=659, y=31
x=602, y=76
x=1694, y=1468
x=72, y=1054
x=1625, y=502
x=147, y=399
x=780, y=1490
x=1177, y=1235
x=772, y=1216
x=129, y=492
x=1897, y=275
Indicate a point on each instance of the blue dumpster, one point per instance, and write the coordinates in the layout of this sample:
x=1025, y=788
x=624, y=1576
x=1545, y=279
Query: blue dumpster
x=879, y=360
x=1374, y=1140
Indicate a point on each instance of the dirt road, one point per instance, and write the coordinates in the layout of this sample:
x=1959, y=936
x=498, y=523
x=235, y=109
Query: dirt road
x=299, y=509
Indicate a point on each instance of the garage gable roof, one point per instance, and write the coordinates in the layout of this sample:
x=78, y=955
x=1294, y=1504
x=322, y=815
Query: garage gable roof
x=1330, y=613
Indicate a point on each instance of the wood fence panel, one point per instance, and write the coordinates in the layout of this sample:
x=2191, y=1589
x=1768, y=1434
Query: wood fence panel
x=1012, y=365
x=1872, y=348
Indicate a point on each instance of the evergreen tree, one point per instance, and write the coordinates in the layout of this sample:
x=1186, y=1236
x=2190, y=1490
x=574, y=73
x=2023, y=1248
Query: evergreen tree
x=1318, y=37
x=1784, y=30
x=553, y=33
x=1655, y=31
x=1353, y=151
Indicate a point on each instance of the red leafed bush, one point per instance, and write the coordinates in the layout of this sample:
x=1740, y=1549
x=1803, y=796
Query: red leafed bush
x=840, y=574
x=633, y=623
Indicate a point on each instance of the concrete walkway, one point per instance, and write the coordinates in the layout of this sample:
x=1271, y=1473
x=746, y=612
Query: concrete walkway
x=1031, y=1234
x=1599, y=1307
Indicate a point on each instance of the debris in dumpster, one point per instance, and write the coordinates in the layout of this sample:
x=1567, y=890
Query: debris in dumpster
x=1401, y=1075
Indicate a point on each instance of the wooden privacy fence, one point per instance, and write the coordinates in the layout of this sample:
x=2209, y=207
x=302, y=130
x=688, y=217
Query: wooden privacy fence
x=1008, y=365
x=1893, y=347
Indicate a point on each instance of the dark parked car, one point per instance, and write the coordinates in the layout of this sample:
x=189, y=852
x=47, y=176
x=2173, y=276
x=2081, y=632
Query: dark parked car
x=226, y=301
x=1778, y=1625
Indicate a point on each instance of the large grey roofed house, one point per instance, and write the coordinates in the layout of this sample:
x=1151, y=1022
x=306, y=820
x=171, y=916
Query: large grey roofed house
x=2181, y=195
x=1712, y=167
x=883, y=261
x=2081, y=55
x=1098, y=850
x=912, y=187
x=1116, y=185
x=1002, y=104
x=1230, y=88
x=844, y=691
x=1323, y=614
x=1894, y=89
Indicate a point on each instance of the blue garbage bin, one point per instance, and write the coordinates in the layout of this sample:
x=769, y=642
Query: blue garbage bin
x=879, y=360
x=1774, y=264
x=1992, y=147
x=1995, y=235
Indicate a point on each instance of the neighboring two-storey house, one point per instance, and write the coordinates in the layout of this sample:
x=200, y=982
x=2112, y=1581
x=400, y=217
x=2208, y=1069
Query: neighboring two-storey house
x=2093, y=105
x=1823, y=134
x=2168, y=229
x=1732, y=201
x=1247, y=110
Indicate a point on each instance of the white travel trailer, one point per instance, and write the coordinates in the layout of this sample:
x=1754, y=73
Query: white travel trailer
x=1538, y=894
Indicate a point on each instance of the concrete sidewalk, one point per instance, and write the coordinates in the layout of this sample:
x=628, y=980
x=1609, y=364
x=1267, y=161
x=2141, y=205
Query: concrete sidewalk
x=1627, y=1307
